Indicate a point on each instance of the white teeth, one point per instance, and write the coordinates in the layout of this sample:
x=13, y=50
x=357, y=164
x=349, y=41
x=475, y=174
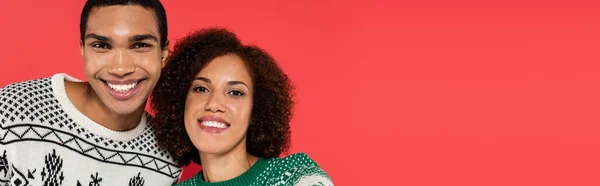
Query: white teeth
x=121, y=88
x=214, y=124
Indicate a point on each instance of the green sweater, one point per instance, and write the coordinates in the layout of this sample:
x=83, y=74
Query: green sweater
x=295, y=169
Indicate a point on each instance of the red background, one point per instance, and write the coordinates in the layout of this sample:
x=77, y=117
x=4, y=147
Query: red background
x=395, y=92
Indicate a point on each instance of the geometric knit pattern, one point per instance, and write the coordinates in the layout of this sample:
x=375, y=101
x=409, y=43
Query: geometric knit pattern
x=31, y=113
x=33, y=102
x=295, y=169
x=29, y=132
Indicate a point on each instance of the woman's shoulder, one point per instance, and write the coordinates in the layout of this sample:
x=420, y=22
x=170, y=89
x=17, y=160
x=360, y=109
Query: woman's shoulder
x=190, y=182
x=300, y=169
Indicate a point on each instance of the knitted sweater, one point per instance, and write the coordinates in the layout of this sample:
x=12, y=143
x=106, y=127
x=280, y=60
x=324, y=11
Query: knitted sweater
x=46, y=141
x=296, y=169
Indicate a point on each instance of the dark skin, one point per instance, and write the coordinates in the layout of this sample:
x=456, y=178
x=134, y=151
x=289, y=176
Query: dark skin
x=268, y=130
x=222, y=89
x=121, y=48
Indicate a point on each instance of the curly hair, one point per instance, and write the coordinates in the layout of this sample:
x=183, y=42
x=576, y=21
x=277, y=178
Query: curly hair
x=269, y=131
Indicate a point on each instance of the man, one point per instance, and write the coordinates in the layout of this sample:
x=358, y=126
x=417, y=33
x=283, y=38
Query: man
x=61, y=131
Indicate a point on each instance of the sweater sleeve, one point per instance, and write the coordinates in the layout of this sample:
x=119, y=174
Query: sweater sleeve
x=314, y=180
x=301, y=170
x=4, y=167
x=4, y=164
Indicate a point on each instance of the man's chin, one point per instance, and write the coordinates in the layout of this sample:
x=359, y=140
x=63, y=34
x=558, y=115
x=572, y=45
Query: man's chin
x=127, y=108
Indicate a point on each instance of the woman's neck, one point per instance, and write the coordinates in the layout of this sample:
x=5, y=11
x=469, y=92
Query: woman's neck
x=218, y=168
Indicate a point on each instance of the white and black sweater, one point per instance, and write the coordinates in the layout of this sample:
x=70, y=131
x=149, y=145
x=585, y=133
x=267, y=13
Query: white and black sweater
x=46, y=141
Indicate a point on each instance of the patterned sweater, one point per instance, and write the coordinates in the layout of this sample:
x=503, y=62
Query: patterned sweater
x=46, y=141
x=296, y=169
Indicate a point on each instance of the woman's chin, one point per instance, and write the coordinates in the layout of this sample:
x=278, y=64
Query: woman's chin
x=213, y=150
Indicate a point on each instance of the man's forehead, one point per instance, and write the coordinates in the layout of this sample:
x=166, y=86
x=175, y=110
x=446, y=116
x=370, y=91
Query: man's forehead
x=122, y=20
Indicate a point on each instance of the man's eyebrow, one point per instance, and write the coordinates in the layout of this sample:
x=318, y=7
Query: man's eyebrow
x=98, y=37
x=142, y=37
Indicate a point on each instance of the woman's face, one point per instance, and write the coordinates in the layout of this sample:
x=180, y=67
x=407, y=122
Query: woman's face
x=219, y=105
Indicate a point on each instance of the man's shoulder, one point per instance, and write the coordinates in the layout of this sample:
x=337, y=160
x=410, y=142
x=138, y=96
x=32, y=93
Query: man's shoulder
x=26, y=88
x=28, y=83
x=20, y=99
x=148, y=143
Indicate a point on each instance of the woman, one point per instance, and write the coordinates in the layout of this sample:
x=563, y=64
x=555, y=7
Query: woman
x=227, y=106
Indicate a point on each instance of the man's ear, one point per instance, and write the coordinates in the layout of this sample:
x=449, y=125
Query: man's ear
x=81, y=48
x=165, y=54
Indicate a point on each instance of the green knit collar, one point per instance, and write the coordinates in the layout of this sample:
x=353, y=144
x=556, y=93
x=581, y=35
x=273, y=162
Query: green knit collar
x=245, y=179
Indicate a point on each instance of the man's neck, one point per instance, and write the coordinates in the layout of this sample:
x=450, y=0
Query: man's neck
x=218, y=168
x=83, y=97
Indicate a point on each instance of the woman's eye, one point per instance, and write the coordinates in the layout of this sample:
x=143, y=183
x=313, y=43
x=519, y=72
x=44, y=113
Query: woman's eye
x=200, y=89
x=236, y=93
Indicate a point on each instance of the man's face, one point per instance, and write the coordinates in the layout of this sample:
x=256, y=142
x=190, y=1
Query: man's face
x=122, y=56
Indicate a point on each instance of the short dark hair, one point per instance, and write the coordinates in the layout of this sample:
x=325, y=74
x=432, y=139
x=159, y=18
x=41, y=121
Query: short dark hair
x=153, y=5
x=269, y=131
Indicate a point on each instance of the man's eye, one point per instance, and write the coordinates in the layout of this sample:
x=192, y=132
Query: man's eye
x=101, y=45
x=141, y=45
